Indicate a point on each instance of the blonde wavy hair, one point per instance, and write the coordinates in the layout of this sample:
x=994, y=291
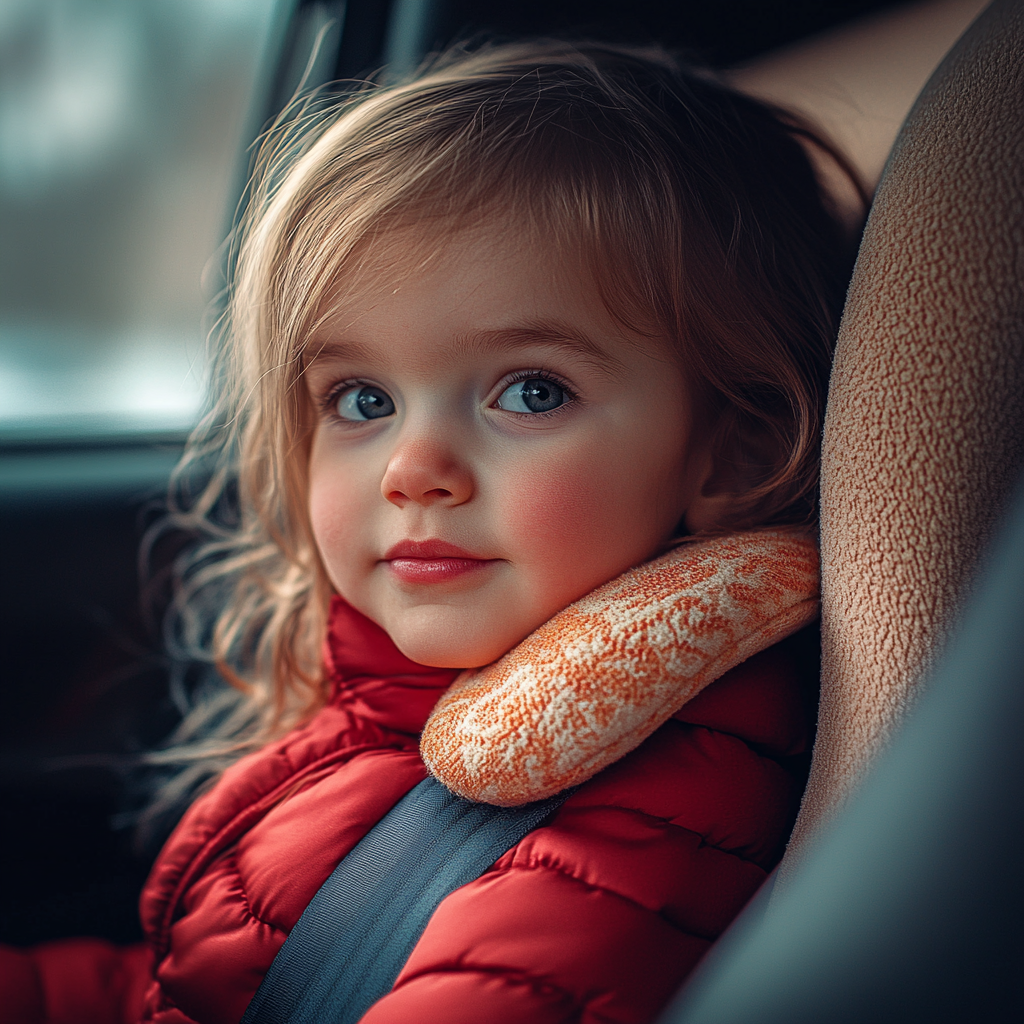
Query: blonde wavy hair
x=702, y=222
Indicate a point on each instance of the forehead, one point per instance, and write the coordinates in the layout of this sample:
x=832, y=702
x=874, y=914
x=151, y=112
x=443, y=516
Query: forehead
x=468, y=252
x=489, y=286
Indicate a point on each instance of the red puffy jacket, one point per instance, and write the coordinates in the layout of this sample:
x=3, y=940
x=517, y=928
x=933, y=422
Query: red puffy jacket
x=596, y=916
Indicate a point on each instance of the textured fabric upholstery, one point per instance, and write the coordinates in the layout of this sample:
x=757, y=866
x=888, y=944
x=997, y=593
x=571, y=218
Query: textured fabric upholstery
x=923, y=437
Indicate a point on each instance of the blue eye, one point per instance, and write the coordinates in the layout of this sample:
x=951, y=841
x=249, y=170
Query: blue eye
x=364, y=403
x=536, y=394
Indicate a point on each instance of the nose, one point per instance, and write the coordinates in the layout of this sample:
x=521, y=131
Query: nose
x=426, y=472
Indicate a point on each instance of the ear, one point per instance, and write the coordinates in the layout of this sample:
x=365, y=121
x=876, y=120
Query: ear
x=725, y=474
x=715, y=498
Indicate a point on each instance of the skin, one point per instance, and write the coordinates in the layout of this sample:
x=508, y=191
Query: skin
x=550, y=504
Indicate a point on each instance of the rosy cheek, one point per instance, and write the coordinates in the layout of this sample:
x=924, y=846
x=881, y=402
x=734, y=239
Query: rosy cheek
x=331, y=517
x=564, y=510
x=552, y=511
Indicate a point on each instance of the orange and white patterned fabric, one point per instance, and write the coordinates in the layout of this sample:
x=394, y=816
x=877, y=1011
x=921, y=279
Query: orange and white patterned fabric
x=596, y=680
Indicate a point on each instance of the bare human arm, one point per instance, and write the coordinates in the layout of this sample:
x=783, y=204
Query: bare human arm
x=857, y=83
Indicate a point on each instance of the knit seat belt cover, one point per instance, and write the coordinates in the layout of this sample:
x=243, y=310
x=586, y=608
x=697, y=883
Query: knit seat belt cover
x=354, y=938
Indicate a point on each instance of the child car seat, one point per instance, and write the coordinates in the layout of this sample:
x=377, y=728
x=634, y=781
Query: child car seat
x=924, y=435
x=905, y=906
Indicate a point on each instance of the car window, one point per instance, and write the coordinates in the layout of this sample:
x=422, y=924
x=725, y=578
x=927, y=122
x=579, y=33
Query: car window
x=121, y=124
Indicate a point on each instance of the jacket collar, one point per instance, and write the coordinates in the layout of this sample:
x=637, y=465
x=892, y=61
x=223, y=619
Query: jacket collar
x=373, y=678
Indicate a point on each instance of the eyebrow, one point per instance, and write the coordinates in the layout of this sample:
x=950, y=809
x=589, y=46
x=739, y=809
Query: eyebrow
x=551, y=333
x=316, y=347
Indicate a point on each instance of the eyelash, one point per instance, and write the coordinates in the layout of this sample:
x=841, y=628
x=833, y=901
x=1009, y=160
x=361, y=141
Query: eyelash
x=329, y=403
x=519, y=375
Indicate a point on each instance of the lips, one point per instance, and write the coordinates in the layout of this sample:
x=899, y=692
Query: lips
x=429, y=549
x=432, y=561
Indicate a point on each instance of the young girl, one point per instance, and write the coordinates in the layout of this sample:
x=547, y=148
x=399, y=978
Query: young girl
x=499, y=339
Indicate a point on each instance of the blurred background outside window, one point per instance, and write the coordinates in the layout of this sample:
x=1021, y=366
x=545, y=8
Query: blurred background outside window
x=121, y=124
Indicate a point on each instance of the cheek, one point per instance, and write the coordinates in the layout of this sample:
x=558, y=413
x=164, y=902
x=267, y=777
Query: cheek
x=555, y=505
x=588, y=507
x=327, y=518
x=334, y=516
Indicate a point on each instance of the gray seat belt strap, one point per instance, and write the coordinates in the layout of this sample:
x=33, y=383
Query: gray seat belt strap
x=355, y=936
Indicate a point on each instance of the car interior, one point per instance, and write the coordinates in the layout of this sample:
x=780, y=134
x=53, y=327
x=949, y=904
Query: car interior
x=126, y=134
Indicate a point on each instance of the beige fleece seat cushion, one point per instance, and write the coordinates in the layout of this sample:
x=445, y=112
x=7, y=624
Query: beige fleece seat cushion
x=923, y=437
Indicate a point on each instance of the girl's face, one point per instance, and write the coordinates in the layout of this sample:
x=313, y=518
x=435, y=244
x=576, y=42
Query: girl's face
x=490, y=446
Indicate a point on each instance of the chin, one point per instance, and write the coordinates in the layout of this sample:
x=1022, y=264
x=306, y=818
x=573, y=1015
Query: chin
x=440, y=655
x=450, y=644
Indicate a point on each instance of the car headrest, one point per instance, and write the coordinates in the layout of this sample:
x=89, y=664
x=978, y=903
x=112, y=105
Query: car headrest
x=924, y=434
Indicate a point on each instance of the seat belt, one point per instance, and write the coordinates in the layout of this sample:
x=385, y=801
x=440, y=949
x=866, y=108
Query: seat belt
x=354, y=938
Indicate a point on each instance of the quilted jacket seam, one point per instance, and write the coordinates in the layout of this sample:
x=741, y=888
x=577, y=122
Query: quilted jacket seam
x=232, y=860
x=529, y=979
x=669, y=822
x=596, y=887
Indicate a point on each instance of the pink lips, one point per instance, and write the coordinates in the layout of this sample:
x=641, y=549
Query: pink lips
x=432, y=561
